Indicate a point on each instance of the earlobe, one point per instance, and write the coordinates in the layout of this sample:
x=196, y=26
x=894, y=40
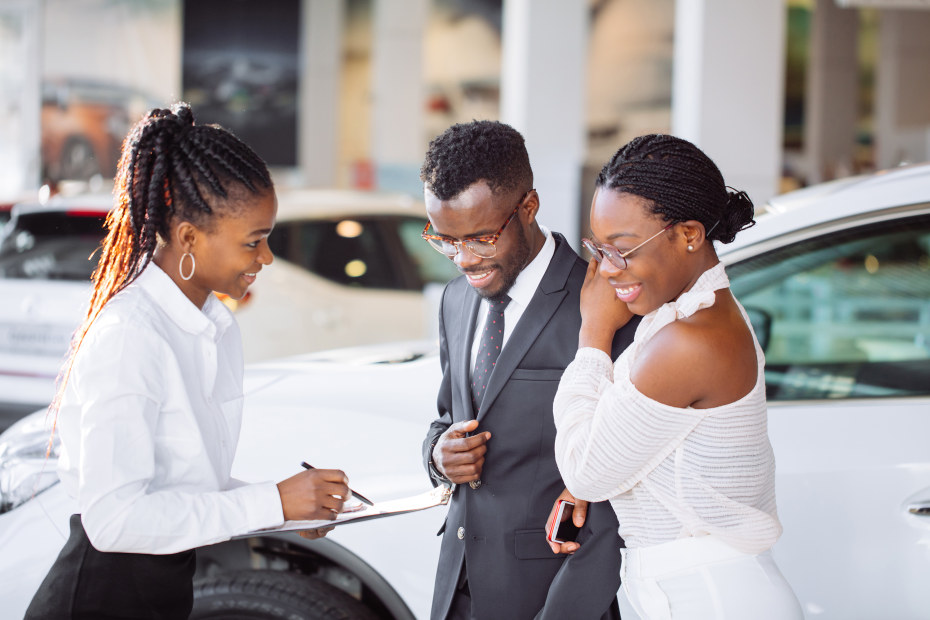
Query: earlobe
x=693, y=234
x=186, y=235
x=531, y=205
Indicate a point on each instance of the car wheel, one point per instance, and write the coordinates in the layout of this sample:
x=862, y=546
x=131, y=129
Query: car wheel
x=78, y=162
x=258, y=594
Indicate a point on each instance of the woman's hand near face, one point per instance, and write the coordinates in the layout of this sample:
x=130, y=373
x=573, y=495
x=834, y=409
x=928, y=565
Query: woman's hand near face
x=314, y=494
x=602, y=313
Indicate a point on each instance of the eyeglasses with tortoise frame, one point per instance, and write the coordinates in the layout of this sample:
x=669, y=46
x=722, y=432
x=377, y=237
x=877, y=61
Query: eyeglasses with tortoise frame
x=482, y=246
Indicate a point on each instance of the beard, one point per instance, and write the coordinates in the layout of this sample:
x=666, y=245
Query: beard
x=512, y=267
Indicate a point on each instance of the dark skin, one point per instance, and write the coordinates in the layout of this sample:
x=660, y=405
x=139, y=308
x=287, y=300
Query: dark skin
x=702, y=361
x=478, y=211
x=230, y=248
x=705, y=360
x=458, y=455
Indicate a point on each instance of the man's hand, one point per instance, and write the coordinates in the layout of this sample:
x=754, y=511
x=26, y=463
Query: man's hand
x=458, y=457
x=578, y=516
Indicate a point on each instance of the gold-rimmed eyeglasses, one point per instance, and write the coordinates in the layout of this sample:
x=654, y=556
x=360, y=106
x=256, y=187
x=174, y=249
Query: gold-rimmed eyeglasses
x=482, y=246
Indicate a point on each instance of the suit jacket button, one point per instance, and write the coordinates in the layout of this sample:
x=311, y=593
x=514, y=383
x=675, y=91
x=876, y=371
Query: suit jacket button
x=474, y=484
x=460, y=533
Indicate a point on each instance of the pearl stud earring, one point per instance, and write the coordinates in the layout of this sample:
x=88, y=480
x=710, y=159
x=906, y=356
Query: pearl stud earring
x=690, y=248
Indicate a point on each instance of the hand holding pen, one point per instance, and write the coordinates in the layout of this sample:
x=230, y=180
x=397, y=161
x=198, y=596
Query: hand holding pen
x=356, y=494
x=317, y=494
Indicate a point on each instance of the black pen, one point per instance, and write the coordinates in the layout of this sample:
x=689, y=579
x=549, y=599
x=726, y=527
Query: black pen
x=360, y=497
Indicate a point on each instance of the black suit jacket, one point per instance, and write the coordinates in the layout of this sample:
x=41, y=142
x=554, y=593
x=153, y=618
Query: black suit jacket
x=500, y=526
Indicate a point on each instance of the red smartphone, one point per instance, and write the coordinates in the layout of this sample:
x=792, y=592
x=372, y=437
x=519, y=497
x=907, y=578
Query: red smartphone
x=561, y=528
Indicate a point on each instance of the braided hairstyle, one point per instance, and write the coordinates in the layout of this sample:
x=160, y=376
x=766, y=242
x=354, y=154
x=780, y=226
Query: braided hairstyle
x=680, y=182
x=480, y=150
x=169, y=168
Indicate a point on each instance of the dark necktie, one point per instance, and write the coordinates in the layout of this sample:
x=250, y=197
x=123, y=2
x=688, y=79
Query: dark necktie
x=489, y=349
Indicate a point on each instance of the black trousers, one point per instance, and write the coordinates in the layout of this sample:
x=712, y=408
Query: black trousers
x=460, y=607
x=84, y=583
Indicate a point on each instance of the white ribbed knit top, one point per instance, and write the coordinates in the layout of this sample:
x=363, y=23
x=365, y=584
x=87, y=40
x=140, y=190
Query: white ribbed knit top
x=668, y=472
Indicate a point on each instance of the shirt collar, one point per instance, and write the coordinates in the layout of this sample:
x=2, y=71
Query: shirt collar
x=524, y=287
x=214, y=318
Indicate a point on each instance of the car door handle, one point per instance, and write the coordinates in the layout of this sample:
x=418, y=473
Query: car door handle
x=921, y=509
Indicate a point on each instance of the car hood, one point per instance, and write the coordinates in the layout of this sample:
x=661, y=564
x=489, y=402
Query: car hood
x=804, y=211
x=363, y=410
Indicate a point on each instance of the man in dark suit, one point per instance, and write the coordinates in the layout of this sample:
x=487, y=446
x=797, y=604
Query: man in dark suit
x=508, y=328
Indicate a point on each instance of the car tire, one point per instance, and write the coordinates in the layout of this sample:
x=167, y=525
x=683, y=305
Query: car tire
x=268, y=594
x=78, y=161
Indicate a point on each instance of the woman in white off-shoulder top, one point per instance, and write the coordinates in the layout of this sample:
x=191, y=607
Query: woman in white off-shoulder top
x=674, y=432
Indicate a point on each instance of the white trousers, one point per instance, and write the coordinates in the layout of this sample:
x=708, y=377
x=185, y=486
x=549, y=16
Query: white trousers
x=704, y=578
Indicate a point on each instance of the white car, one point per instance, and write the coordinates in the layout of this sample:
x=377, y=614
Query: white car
x=350, y=269
x=837, y=281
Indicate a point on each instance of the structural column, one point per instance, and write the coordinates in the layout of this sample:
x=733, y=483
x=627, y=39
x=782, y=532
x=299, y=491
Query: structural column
x=542, y=96
x=832, y=105
x=20, y=101
x=902, y=89
x=398, y=93
x=321, y=66
x=728, y=87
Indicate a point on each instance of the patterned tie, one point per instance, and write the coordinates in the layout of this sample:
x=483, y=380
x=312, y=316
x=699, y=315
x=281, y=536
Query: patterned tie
x=489, y=349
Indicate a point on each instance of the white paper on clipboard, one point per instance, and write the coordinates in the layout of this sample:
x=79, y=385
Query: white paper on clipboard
x=355, y=511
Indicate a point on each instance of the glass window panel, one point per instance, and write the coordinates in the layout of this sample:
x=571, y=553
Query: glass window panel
x=52, y=246
x=845, y=315
x=351, y=254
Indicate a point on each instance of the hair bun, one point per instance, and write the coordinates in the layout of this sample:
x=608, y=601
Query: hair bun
x=177, y=118
x=737, y=216
x=184, y=113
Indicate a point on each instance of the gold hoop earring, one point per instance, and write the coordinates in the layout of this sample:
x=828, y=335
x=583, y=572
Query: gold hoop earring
x=181, y=266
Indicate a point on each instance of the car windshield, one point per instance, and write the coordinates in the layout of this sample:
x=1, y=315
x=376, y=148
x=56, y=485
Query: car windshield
x=51, y=245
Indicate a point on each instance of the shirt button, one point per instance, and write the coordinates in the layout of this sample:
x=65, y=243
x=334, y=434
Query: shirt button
x=460, y=533
x=475, y=484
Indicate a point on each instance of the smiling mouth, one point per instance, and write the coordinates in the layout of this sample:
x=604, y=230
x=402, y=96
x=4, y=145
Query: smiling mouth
x=478, y=277
x=628, y=294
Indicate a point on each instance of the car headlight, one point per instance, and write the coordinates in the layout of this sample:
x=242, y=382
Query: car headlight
x=25, y=470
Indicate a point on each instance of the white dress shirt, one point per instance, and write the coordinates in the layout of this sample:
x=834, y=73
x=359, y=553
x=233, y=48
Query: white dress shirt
x=149, y=424
x=521, y=293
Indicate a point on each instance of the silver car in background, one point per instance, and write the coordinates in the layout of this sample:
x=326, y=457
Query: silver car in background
x=350, y=269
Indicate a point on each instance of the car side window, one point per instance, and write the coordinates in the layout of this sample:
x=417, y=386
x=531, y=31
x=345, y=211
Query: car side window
x=348, y=251
x=843, y=315
x=431, y=265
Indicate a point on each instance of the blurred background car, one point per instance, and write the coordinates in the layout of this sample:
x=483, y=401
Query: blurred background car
x=350, y=269
x=45, y=285
x=5, y=208
x=83, y=126
x=835, y=280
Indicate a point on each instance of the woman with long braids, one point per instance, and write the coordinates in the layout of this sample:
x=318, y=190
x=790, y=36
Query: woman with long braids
x=150, y=401
x=674, y=431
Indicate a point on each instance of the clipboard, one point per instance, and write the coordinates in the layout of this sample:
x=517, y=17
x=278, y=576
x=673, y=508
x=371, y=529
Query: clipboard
x=355, y=511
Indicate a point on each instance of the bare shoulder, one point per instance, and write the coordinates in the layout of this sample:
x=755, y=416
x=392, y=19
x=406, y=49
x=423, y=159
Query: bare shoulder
x=705, y=360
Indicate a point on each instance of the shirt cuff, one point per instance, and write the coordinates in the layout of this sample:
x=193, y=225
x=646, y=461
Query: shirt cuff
x=262, y=506
x=589, y=360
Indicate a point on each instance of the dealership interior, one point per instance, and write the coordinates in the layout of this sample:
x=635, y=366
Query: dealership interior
x=347, y=93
